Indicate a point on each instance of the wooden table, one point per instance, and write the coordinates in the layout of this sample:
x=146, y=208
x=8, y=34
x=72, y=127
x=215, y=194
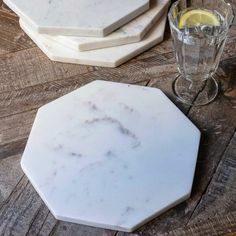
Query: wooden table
x=28, y=79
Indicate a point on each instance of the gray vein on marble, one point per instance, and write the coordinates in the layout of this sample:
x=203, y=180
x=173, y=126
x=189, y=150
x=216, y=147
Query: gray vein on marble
x=77, y=17
x=84, y=165
x=123, y=130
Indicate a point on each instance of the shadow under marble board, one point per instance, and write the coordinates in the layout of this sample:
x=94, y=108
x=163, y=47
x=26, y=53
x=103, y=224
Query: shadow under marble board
x=117, y=156
x=107, y=57
x=77, y=17
x=132, y=32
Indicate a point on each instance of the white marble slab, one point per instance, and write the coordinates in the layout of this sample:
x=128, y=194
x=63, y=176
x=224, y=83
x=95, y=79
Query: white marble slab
x=111, y=155
x=77, y=17
x=107, y=57
x=132, y=32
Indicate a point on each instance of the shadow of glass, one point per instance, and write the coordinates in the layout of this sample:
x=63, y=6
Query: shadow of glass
x=227, y=74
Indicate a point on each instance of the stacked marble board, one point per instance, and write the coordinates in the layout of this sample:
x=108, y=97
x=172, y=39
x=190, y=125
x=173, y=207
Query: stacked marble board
x=92, y=32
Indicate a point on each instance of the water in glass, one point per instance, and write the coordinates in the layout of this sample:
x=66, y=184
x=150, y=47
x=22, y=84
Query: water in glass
x=198, y=49
x=198, y=45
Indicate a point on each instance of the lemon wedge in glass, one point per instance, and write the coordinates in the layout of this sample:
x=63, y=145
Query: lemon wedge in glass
x=198, y=17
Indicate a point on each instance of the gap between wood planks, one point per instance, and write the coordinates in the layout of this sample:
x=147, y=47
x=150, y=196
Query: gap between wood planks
x=54, y=229
x=23, y=49
x=214, y=170
x=33, y=220
x=127, y=70
x=213, y=174
x=12, y=193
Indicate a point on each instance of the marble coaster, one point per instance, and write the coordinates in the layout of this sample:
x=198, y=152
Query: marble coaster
x=132, y=32
x=77, y=17
x=111, y=155
x=107, y=57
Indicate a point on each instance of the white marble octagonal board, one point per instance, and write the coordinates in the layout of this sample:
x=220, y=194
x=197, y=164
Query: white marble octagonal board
x=77, y=17
x=132, y=32
x=107, y=57
x=111, y=155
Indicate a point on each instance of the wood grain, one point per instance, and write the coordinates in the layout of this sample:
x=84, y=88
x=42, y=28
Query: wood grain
x=28, y=80
x=219, y=198
x=216, y=212
x=12, y=38
x=10, y=175
x=31, y=67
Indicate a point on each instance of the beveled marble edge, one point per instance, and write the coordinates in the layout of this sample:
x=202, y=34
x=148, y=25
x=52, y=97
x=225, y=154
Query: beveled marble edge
x=69, y=31
x=99, y=225
x=112, y=39
x=125, y=229
x=116, y=38
x=119, y=228
x=126, y=19
x=152, y=39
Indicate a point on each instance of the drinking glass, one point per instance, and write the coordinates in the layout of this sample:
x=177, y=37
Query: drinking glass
x=198, y=50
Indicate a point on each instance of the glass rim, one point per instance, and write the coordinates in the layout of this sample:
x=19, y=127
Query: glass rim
x=171, y=20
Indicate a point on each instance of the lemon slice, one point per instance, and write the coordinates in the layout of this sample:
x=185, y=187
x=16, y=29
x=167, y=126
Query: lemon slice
x=198, y=17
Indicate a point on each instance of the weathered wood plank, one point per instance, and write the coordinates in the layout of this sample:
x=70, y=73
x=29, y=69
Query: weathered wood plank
x=13, y=148
x=65, y=229
x=228, y=80
x=38, y=221
x=230, y=49
x=215, y=226
x=14, y=132
x=16, y=127
x=217, y=122
x=220, y=196
x=48, y=226
x=33, y=97
x=10, y=175
x=31, y=67
x=12, y=184
x=22, y=206
x=12, y=38
x=30, y=98
x=5, y=8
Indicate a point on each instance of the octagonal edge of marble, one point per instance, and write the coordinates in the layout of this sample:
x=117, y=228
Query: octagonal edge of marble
x=111, y=155
x=77, y=17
